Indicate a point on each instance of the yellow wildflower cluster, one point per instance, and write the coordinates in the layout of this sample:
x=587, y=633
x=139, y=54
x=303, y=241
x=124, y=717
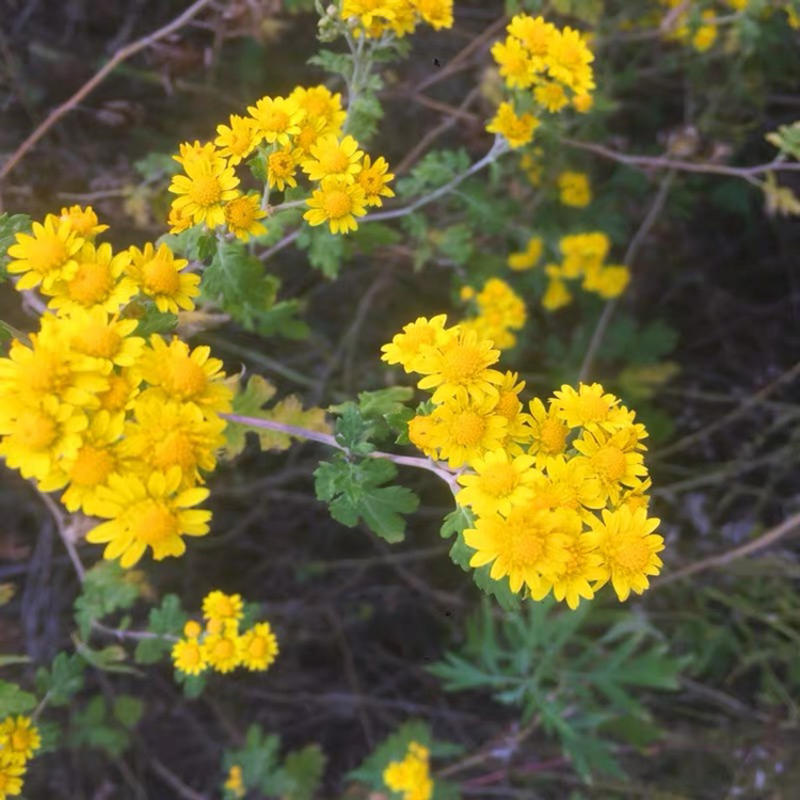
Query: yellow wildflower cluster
x=500, y=312
x=574, y=189
x=547, y=67
x=376, y=18
x=124, y=425
x=300, y=132
x=234, y=783
x=19, y=740
x=221, y=646
x=699, y=36
x=411, y=777
x=558, y=493
x=584, y=255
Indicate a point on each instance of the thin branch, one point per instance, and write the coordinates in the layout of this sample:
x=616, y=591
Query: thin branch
x=63, y=532
x=789, y=525
x=121, y=55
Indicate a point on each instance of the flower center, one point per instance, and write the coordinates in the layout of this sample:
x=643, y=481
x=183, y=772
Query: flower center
x=553, y=435
x=100, y=341
x=469, y=428
x=610, y=461
x=462, y=364
x=45, y=372
x=239, y=213
x=631, y=553
x=507, y=405
x=525, y=547
x=35, y=429
x=223, y=649
x=48, y=253
x=205, y=190
x=92, y=283
x=334, y=161
x=116, y=396
x=153, y=522
x=337, y=204
x=257, y=647
x=185, y=377
x=275, y=121
x=593, y=407
x=160, y=276
x=92, y=466
x=281, y=164
x=191, y=654
x=500, y=480
x=20, y=740
x=174, y=449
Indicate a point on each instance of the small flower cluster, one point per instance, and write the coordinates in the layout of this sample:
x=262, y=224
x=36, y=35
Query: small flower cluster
x=701, y=37
x=19, y=740
x=500, y=312
x=302, y=131
x=547, y=68
x=574, y=189
x=221, y=646
x=411, y=776
x=559, y=493
x=379, y=18
x=234, y=783
x=125, y=426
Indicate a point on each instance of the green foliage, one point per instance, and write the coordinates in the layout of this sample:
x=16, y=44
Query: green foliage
x=151, y=320
x=435, y=169
x=356, y=490
x=104, y=728
x=325, y=249
x=786, y=139
x=377, y=415
x=13, y=700
x=547, y=660
x=10, y=224
x=297, y=778
x=166, y=620
x=105, y=589
x=63, y=680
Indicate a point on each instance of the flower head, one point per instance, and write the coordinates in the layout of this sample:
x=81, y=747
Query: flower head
x=277, y=119
x=242, y=215
x=517, y=129
x=208, y=183
x=160, y=276
x=338, y=202
x=258, y=647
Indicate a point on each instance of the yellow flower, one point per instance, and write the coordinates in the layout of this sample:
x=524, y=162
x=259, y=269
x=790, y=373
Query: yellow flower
x=258, y=647
x=437, y=13
x=551, y=95
x=45, y=255
x=193, y=151
x=527, y=258
x=242, y=215
x=627, y=545
x=176, y=373
x=338, y=202
x=83, y=221
x=320, y=104
x=202, y=192
x=192, y=629
x=277, y=119
x=237, y=140
x=608, y=282
x=514, y=62
x=103, y=341
x=331, y=157
x=281, y=167
x=460, y=364
x=123, y=387
x=518, y=130
x=411, y=776
x=410, y=347
x=465, y=428
x=546, y=431
x=589, y=405
x=11, y=773
x=509, y=406
x=422, y=433
x=153, y=514
x=219, y=607
x=574, y=189
x=535, y=34
x=19, y=738
x=528, y=546
x=498, y=483
x=367, y=12
x=583, y=252
x=705, y=35
x=310, y=131
x=159, y=274
x=583, y=103
x=568, y=60
x=373, y=178
x=571, y=581
x=569, y=483
x=98, y=281
x=178, y=220
x=234, y=783
x=188, y=657
x=222, y=649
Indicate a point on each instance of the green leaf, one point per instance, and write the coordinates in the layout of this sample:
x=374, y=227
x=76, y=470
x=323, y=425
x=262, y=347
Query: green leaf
x=151, y=320
x=63, y=680
x=258, y=758
x=13, y=700
x=193, y=685
x=434, y=170
x=106, y=589
x=353, y=430
x=337, y=63
x=355, y=491
x=167, y=619
x=91, y=727
x=303, y=769
x=10, y=224
x=127, y=710
x=325, y=249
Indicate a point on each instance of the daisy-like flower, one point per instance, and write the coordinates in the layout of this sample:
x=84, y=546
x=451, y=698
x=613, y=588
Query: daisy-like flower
x=192, y=629
x=368, y=12
x=237, y=140
x=219, y=607
x=466, y=429
x=202, y=192
x=258, y=647
x=498, y=483
x=527, y=546
x=188, y=656
x=546, y=432
x=569, y=483
x=178, y=220
x=222, y=649
x=437, y=13
x=589, y=405
x=234, y=783
x=551, y=95
x=556, y=295
x=535, y=34
x=627, y=545
x=83, y=221
x=282, y=166
x=11, y=773
x=242, y=215
x=46, y=255
x=193, y=151
x=99, y=280
x=608, y=282
x=514, y=62
x=422, y=433
x=123, y=387
x=569, y=59
x=517, y=129
x=277, y=119
x=527, y=258
x=320, y=104
x=584, y=567
x=19, y=738
x=337, y=202
x=574, y=189
x=153, y=514
x=462, y=363
x=191, y=376
x=509, y=406
x=373, y=178
x=332, y=157
x=160, y=276
x=411, y=345
x=583, y=252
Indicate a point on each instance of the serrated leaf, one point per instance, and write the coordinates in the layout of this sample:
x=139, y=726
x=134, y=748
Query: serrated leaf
x=106, y=589
x=14, y=700
x=353, y=430
x=258, y=758
x=304, y=769
x=325, y=249
x=151, y=320
x=62, y=680
x=169, y=618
